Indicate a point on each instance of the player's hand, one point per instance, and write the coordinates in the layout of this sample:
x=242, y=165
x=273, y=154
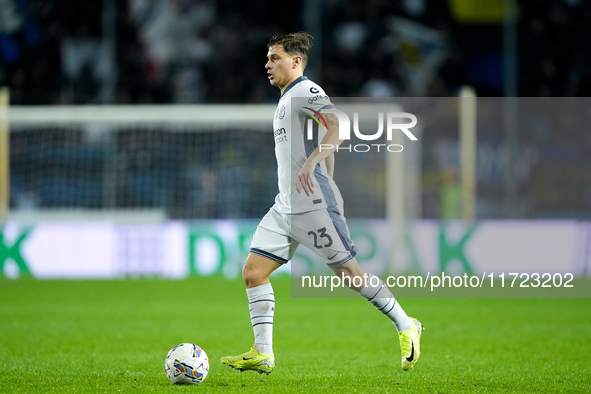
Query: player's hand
x=305, y=180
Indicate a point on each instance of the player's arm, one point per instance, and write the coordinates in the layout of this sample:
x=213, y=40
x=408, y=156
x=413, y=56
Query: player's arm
x=329, y=144
x=330, y=165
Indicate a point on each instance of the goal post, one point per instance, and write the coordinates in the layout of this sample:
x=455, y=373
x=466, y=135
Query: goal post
x=403, y=198
x=468, y=119
x=4, y=154
x=199, y=117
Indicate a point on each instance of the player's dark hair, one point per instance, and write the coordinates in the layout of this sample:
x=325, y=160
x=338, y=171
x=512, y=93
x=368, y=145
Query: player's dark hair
x=294, y=44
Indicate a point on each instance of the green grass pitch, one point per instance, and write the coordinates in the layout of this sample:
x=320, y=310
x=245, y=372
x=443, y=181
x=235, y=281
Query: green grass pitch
x=112, y=336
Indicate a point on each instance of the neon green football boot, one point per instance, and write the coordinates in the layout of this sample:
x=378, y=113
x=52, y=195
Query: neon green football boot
x=252, y=360
x=410, y=344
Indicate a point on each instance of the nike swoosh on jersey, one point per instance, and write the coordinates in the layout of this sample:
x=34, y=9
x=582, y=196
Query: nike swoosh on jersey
x=333, y=256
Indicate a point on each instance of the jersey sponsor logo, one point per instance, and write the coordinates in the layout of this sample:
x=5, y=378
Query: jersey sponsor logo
x=280, y=135
x=314, y=90
x=318, y=97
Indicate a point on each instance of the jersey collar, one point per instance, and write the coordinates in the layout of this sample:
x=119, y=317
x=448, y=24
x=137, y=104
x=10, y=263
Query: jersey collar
x=291, y=85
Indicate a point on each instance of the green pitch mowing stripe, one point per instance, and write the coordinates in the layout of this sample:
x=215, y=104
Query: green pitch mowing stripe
x=112, y=336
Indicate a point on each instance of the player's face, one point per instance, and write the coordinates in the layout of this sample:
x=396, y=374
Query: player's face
x=280, y=66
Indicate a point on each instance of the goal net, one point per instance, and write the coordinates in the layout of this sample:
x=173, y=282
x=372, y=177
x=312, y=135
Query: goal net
x=190, y=161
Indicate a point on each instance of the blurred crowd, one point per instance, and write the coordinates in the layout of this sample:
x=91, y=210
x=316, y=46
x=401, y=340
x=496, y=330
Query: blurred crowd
x=206, y=51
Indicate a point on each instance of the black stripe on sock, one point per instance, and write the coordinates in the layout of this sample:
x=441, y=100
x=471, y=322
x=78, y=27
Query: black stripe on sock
x=385, y=313
x=388, y=303
x=265, y=322
x=273, y=301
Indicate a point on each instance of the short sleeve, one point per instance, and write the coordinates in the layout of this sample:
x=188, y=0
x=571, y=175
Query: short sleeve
x=313, y=101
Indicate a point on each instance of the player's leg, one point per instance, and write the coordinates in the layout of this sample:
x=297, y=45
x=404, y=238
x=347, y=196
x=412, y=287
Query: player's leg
x=271, y=247
x=338, y=251
x=377, y=293
x=330, y=239
x=261, y=302
x=261, y=299
x=257, y=270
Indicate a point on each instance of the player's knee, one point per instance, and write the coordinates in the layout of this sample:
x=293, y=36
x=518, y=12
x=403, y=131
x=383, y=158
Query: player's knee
x=354, y=276
x=247, y=274
x=251, y=275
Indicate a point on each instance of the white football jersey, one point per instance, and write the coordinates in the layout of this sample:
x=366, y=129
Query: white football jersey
x=300, y=101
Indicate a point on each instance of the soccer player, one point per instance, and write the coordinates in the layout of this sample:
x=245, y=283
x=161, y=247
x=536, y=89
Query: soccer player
x=312, y=202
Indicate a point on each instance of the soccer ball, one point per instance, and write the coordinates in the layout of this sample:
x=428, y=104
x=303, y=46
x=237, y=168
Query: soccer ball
x=186, y=364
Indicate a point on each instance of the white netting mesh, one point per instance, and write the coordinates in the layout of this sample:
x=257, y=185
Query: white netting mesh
x=193, y=162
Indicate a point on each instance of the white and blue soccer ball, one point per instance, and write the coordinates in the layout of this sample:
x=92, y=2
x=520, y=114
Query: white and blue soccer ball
x=186, y=363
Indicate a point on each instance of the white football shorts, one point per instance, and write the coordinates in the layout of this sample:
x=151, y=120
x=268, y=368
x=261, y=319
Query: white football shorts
x=323, y=231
